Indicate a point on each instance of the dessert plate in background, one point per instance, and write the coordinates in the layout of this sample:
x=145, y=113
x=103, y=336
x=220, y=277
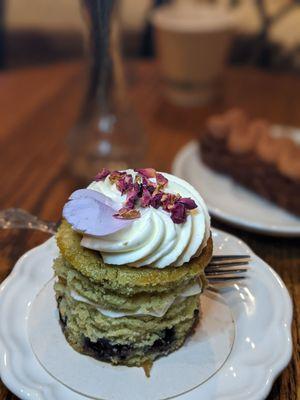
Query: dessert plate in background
x=229, y=201
x=260, y=307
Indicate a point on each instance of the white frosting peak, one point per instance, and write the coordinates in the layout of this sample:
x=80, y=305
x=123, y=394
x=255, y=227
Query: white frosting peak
x=153, y=239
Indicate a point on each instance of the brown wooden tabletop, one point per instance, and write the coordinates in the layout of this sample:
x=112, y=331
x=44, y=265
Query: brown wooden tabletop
x=38, y=106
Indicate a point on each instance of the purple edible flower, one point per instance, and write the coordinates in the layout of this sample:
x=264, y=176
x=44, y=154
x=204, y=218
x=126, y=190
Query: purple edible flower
x=102, y=174
x=92, y=213
x=93, y=194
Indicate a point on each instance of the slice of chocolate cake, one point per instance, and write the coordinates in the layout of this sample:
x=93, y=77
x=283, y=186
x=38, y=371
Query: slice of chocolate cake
x=257, y=155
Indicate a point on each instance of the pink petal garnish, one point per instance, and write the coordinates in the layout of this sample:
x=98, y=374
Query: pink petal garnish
x=151, y=186
x=161, y=180
x=92, y=213
x=178, y=213
x=132, y=196
x=116, y=175
x=168, y=200
x=156, y=200
x=125, y=213
x=146, y=198
x=124, y=183
x=147, y=172
x=138, y=179
x=102, y=174
x=188, y=203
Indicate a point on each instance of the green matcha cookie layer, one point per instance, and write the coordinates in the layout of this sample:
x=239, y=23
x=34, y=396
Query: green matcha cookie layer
x=132, y=341
x=112, y=299
x=128, y=340
x=124, y=279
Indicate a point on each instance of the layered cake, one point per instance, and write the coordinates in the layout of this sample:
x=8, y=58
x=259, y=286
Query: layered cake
x=262, y=157
x=133, y=248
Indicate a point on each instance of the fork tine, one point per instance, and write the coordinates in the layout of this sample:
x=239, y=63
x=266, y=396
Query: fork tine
x=225, y=272
x=226, y=261
x=218, y=279
x=227, y=264
x=231, y=257
x=227, y=268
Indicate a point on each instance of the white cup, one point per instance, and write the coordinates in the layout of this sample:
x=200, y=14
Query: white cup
x=192, y=43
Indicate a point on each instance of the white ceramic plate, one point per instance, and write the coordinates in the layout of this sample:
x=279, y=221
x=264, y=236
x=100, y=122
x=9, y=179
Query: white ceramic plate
x=261, y=308
x=229, y=201
x=211, y=343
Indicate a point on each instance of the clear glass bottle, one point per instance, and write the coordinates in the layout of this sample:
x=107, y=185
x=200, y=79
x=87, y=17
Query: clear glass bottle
x=108, y=133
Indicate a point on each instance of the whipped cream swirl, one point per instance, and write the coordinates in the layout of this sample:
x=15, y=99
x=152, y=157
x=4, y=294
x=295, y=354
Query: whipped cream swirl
x=153, y=239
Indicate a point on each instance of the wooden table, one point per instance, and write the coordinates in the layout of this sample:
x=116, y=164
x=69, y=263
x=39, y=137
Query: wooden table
x=37, y=109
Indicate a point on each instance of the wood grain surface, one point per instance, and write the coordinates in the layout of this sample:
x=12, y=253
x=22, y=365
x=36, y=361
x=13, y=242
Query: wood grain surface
x=38, y=108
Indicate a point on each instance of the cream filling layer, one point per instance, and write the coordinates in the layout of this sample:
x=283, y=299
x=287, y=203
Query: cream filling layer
x=158, y=312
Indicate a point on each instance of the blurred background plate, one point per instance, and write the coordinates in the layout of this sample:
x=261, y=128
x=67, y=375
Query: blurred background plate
x=229, y=201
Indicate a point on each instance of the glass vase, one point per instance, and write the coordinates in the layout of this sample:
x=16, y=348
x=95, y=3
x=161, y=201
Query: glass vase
x=108, y=132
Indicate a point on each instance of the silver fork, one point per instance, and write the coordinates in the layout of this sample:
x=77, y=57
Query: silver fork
x=220, y=270
x=227, y=268
x=16, y=218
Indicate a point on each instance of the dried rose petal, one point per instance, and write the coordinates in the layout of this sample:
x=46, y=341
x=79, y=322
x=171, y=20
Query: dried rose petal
x=124, y=183
x=165, y=197
x=138, y=179
x=156, y=200
x=125, y=213
x=178, y=213
x=132, y=196
x=116, y=175
x=188, y=203
x=151, y=186
x=147, y=172
x=156, y=191
x=168, y=200
x=146, y=198
x=121, y=186
x=128, y=180
x=150, y=192
x=161, y=180
x=102, y=174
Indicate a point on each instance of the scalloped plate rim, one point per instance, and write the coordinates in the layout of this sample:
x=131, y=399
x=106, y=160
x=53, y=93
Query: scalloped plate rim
x=16, y=386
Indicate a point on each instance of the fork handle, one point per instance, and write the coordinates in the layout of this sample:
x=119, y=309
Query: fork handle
x=12, y=218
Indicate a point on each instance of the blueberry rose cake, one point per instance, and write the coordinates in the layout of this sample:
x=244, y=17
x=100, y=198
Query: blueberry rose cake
x=263, y=157
x=133, y=248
